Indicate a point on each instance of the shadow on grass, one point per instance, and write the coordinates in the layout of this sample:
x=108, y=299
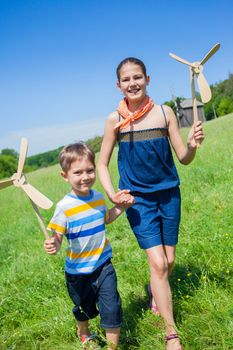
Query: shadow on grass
x=184, y=281
x=189, y=274
x=133, y=312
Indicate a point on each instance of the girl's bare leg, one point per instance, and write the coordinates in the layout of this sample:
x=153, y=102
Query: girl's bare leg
x=170, y=254
x=159, y=271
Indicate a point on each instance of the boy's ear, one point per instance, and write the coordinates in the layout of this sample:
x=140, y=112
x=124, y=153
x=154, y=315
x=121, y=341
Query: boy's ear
x=64, y=175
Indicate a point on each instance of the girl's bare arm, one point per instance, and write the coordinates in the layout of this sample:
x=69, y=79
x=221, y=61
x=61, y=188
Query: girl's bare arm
x=109, y=141
x=185, y=154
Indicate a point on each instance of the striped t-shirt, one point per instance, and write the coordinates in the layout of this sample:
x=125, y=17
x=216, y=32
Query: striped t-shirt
x=82, y=221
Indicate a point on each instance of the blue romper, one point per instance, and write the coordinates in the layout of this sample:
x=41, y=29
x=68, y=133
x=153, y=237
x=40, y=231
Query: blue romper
x=147, y=169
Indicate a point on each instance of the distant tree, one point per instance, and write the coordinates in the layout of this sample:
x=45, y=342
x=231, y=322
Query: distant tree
x=8, y=165
x=221, y=102
x=45, y=159
x=9, y=152
x=171, y=104
x=95, y=143
x=225, y=106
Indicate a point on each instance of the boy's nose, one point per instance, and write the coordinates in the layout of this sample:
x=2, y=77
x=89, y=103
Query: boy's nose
x=85, y=175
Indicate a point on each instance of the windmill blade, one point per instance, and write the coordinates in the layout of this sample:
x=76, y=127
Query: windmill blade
x=6, y=183
x=181, y=59
x=210, y=53
x=36, y=196
x=204, y=88
x=22, y=156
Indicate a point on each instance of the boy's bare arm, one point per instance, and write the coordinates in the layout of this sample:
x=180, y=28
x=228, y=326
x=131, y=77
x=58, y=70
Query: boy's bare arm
x=53, y=244
x=117, y=210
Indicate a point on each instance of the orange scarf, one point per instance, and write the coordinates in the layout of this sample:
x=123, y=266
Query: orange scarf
x=129, y=117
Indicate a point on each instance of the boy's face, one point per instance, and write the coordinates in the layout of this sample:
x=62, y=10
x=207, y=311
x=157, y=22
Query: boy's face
x=81, y=176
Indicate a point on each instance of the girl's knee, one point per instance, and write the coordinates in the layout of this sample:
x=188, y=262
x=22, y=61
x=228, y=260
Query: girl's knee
x=159, y=266
x=171, y=261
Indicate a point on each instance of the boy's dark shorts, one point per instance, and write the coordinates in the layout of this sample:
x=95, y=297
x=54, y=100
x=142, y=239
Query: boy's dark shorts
x=155, y=217
x=96, y=289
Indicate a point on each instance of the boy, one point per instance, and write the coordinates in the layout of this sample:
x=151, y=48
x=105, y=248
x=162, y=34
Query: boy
x=81, y=216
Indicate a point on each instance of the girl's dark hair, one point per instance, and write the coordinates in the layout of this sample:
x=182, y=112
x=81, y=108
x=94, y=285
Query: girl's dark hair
x=131, y=60
x=72, y=152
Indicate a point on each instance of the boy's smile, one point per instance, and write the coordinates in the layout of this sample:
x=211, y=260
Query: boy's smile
x=81, y=176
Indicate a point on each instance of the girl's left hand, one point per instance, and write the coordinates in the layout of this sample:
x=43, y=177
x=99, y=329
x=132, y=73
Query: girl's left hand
x=196, y=135
x=123, y=197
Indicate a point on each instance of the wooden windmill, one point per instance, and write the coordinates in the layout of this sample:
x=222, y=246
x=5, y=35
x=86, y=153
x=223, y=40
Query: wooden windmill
x=196, y=69
x=19, y=180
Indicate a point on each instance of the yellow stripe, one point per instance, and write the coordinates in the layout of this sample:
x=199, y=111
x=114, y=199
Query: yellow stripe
x=96, y=251
x=56, y=228
x=81, y=208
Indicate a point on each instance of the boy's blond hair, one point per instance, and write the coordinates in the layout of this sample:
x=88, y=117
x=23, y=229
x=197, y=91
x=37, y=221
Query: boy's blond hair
x=75, y=151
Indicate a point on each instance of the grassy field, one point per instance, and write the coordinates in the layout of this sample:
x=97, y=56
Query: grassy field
x=35, y=310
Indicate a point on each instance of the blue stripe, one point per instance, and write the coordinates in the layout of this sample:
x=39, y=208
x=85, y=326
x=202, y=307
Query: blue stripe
x=86, y=220
x=74, y=265
x=77, y=272
x=84, y=233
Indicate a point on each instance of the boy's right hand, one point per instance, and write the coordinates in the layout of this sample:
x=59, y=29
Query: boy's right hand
x=50, y=246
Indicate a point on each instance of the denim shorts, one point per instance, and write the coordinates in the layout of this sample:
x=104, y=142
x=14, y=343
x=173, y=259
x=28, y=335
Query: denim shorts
x=155, y=217
x=94, y=294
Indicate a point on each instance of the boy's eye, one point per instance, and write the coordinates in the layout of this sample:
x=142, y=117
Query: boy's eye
x=91, y=171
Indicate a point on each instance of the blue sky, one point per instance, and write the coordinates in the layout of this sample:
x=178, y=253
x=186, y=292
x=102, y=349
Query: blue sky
x=58, y=60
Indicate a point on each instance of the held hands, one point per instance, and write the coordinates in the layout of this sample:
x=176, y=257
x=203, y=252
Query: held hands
x=51, y=246
x=196, y=135
x=123, y=198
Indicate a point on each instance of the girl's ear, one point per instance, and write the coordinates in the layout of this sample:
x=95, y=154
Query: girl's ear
x=64, y=175
x=147, y=80
x=118, y=85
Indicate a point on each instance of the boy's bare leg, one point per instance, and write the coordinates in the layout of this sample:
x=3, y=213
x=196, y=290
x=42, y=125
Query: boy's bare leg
x=112, y=336
x=82, y=328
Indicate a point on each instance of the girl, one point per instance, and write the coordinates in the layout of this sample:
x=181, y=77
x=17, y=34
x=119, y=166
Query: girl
x=143, y=130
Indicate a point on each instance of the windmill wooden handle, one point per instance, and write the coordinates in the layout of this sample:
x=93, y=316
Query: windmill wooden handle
x=40, y=220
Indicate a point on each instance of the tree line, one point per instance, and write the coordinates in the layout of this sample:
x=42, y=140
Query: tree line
x=9, y=158
x=220, y=105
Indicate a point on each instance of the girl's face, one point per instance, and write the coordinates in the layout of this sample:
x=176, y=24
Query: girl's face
x=133, y=82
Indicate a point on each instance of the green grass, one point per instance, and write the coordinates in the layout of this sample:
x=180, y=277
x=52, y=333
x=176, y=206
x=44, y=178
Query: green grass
x=35, y=310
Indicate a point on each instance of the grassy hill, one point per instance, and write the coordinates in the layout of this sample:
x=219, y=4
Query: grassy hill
x=35, y=310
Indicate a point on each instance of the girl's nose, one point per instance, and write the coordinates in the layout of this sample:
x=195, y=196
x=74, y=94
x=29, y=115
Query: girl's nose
x=132, y=82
